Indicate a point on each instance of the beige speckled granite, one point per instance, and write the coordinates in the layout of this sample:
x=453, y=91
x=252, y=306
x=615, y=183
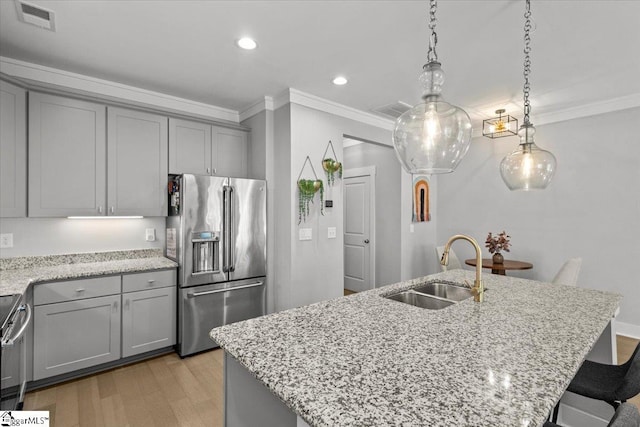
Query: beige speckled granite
x=16, y=274
x=363, y=360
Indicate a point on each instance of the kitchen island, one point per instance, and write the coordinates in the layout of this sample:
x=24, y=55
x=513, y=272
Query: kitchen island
x=365, y=360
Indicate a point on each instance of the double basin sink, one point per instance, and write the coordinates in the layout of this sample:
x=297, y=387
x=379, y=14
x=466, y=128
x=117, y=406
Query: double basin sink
x=432, y=295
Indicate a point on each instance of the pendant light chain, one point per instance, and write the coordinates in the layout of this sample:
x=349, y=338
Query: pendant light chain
x=432, y=55
x=527, y=61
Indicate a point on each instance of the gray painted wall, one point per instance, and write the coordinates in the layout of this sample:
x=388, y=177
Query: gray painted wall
x=591, y=208
x=308, y=271
x=387, y=185
x=261, y=166
x=55, y=236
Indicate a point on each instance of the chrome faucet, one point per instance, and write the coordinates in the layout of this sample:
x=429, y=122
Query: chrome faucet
x=478, y=286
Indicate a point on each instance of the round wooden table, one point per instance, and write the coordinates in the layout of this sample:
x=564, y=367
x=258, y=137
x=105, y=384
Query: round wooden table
x=501, y=268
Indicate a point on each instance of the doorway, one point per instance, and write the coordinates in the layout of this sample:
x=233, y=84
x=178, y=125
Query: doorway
x=359, y=215
x=377, y=263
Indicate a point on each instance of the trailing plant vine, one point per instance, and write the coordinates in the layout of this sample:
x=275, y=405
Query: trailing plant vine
x=331, y=165
x=307, y=189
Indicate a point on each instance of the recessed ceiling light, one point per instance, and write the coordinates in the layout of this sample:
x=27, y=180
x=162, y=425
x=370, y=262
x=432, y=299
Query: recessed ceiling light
x=247, y=43
x=340, y=81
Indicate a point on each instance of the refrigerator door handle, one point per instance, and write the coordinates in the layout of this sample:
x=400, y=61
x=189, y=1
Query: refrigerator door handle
x=217, y=291
x=225, y=226
x=232, y=222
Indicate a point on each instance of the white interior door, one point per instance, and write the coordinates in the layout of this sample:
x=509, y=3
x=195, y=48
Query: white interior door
x=358, y=266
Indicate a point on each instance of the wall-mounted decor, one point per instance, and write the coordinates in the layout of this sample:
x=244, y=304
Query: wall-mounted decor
x=331, y=165
x=307, y=189
x=421, y=189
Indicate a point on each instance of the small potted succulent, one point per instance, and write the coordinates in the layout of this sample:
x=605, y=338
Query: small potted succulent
x=307, y=189
x=497, y=244
x=331, y=168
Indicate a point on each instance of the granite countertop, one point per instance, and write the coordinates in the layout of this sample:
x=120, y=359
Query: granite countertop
x=363, y=360
x=16, y=274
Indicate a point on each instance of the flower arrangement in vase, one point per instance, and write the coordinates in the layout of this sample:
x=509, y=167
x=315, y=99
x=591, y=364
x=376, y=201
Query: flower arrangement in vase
x=496, y=244
x=307, y=189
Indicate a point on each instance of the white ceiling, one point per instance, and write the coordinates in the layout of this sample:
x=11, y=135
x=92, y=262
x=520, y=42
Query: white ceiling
x=583, y=51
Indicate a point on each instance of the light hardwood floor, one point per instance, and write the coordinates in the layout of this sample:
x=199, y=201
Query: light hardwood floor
x=164, y=391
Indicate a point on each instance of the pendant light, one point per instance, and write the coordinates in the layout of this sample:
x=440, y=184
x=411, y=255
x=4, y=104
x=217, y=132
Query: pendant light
x=528, y=167
x=433, y=136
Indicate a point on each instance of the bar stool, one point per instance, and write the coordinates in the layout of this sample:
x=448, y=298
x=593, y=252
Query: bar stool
x=613, y=384
x=626, y=415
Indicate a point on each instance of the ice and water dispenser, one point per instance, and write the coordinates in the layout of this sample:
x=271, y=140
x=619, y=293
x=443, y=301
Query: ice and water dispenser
x=205, y=251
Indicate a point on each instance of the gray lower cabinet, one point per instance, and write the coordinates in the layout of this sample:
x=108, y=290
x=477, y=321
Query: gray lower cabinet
x=148, y=311
x=87, y=322
x=13, y=151
x=76, y=334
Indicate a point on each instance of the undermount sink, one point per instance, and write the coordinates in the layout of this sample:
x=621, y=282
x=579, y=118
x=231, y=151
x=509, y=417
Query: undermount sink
x=444, y=290
x=432, y=296
x=420, y=300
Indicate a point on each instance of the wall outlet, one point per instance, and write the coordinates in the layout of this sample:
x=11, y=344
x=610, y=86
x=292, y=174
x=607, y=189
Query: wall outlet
x=305, y=234
x=331, y=233
x=411, y=228
x=6, y=240
x=150, y=234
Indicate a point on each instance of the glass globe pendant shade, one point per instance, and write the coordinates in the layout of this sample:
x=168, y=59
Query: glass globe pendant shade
x=528, y=167
x=433, y=136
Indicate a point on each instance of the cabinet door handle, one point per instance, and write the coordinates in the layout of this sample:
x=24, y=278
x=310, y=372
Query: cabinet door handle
x=113, y=210
x=80, y=290
x=208, y=170
x=215, y=171
x=115, y=306
x=99, y=209
x=150, y=281
x=126, y=304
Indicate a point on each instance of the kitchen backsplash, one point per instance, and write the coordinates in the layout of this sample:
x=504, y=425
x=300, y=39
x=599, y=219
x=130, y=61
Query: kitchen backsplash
x=56, y=236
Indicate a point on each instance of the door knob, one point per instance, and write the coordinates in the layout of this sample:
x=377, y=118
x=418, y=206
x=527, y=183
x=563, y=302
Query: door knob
x=366, y=240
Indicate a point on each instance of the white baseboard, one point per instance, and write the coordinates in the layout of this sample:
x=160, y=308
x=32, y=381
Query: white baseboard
x=628, y=330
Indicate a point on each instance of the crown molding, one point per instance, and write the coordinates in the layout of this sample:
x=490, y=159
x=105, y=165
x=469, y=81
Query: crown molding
x=564, y=114
x=586, y=110
x=265, y=104
x=52, y=77
x=294, y=96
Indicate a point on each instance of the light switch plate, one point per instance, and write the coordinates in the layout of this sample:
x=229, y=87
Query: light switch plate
x=6, y=240
x=150, y=234
x=305, y=234
x=411, y=228
x=331, y=233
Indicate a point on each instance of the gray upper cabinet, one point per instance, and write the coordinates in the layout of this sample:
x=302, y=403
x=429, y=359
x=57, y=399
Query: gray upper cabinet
x=67, y=157
x=203, y=149
x=13, y=151
x=229, y=151
x=189, y=147
x=137, y=163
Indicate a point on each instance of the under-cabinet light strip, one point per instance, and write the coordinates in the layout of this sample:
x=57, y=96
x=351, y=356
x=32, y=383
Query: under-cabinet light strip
x=106, y=217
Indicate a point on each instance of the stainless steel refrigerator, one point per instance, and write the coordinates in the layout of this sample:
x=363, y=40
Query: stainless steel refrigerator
x=216, y=232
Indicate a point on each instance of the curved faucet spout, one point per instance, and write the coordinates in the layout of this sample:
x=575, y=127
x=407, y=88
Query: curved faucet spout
x=478, y=286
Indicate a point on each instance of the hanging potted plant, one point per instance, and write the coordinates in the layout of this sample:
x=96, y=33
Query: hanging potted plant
x=331, y=168
x=331, y=165
x=307, y=189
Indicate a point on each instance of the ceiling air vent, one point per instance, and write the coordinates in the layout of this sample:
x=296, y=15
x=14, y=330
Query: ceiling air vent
x=394, y=110
x=36, y=15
